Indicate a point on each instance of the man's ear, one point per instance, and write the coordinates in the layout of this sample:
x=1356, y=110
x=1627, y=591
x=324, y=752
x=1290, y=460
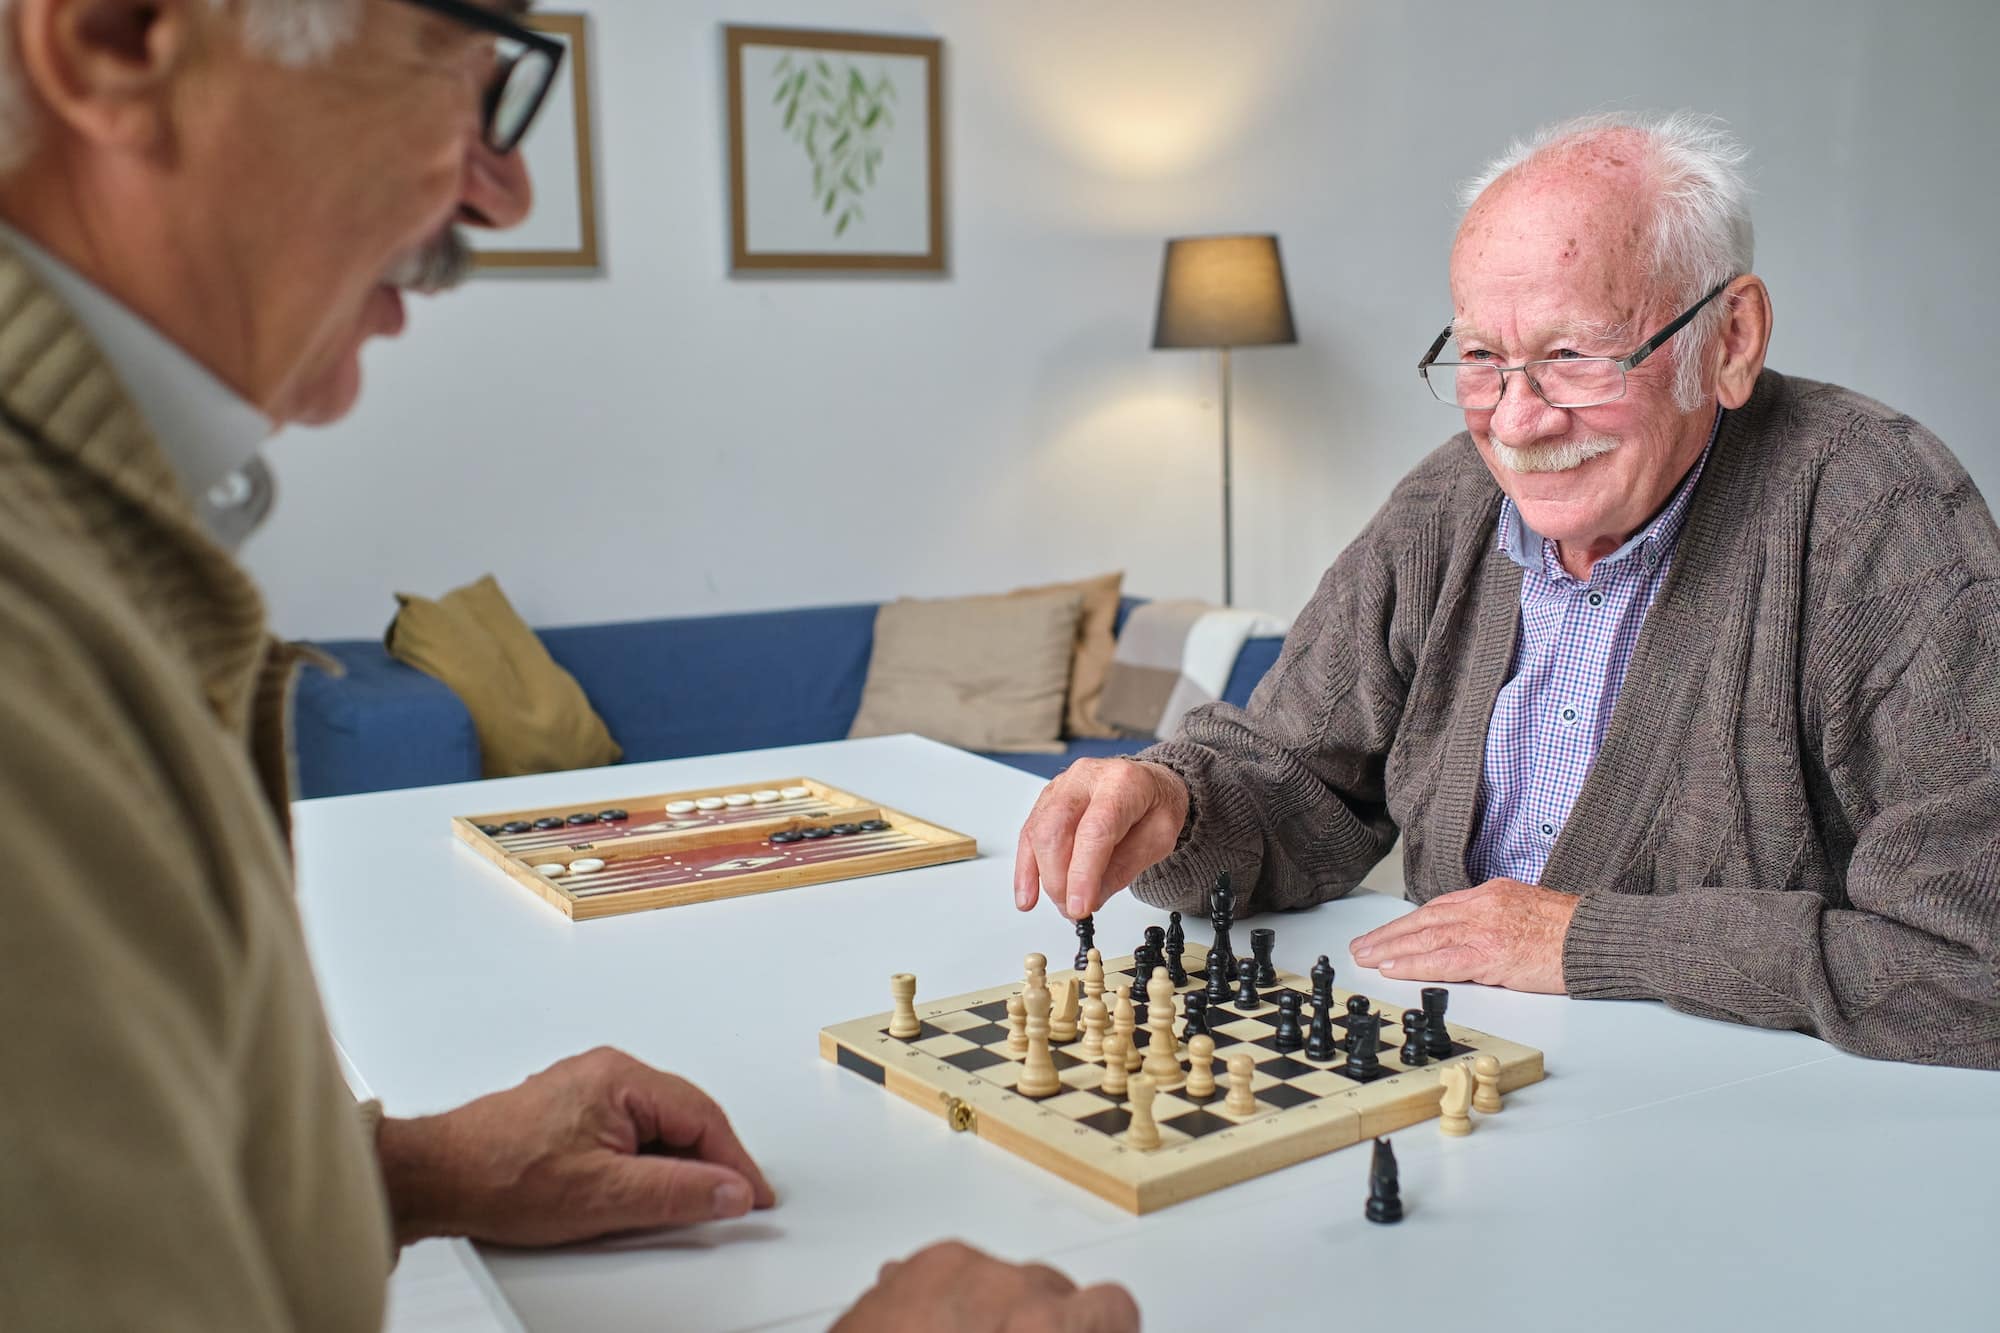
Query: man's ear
x=1744, y=338
x=105, y=69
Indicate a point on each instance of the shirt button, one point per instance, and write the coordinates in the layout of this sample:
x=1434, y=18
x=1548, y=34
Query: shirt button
x=1597, y=599
x=1548, y=830
x=1569, y=715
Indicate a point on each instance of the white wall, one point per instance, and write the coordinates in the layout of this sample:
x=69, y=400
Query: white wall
x=663, y=439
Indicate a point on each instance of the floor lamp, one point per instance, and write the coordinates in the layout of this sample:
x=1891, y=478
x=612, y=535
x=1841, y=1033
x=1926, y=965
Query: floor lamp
x=1223, y=292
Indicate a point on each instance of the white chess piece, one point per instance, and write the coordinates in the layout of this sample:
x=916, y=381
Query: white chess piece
x=1017, y=1026
x=1453, y=1119
x=1241, y=1100
x=903, y=990
x=1093, y=975
x=1095, y=1019
x=1201, y=1058
x=1162, y=1064
x=1038, y=1071
x=1486, y=1073
x=1063, y=1011
x=1144, y=1132
x=1124, y=1020
x=1114, y=1064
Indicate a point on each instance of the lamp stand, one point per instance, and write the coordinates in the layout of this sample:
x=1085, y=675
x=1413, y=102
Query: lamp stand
x=1228, y=519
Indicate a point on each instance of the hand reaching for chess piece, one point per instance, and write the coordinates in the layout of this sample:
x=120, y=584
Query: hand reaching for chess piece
x=1094, y=829
x=957, y=1287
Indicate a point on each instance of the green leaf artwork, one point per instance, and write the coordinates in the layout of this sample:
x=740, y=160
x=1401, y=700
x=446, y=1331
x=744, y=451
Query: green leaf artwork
x=840, y=121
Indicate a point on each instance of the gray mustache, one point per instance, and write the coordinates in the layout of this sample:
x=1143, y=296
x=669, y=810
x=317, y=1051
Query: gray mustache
x=438, y=266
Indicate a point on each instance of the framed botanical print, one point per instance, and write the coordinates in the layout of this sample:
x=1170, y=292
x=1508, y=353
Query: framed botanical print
x=836, y=150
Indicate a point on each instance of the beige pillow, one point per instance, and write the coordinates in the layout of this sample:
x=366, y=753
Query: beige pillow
x=531, y=715
x=985, y=673
x=1096, y=640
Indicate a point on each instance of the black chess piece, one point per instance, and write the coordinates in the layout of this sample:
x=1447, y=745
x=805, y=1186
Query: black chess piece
x=1357, y=1009
x=1262, y=941
x=1176, y=950
x=1437, y=1037
x=1412, y=1053
x=1218, y=987
x=1142, y=972
x=1221, y=914
x=1364, y=1048
x=1197, y=1016
x=1385, y=1191
x=1288, y=1038
x=1319, y=1042
x=1246, y=984
x=1322, y=979
x=1086, y=940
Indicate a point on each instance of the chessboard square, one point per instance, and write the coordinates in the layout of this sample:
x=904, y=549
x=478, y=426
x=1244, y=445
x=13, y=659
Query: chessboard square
x=993, y=1012
x=976, y=1059
x=1283, y=1067
x=924, y=1029
x=1167, y=1105
x=1062, y=1060
x=958, y=1020
x=1285, y=1096
x=943, y=1044
x=1199, y=1123
x=1321, y=1083
x=1078, y=1104
x=1111, y=1120
x=1007, y=1073
x=1083, y=1075
x=1243, y=1029
x=984, y=1034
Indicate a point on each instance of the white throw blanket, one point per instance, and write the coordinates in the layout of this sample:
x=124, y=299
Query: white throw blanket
x=1173, y=656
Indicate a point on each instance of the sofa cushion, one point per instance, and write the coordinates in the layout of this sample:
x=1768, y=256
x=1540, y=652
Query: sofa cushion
x=531, y=715
x=378, y=724
x=1096, y=640
x=985, y=673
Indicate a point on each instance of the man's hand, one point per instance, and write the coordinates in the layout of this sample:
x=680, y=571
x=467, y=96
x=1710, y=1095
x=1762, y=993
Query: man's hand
x=1502, y=933
x=1094, y=829
x=594, y=1144
x=953, y=1286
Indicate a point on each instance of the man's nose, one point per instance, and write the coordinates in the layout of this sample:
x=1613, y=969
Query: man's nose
x=497, y=192
x=1522, y=417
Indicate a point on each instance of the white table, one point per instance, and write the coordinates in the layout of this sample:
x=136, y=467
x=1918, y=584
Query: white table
x=1669, y=1172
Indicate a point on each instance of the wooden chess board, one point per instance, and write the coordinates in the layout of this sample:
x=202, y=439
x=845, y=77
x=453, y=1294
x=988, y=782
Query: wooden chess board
x=693, y=846
x=958, y=1067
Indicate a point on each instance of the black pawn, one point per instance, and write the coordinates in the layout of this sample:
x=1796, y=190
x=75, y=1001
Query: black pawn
x=1197, y=1016
x=1412, y=1053
x=1262, y=941
x=1246, y=984
x=1218, y=983
x=1385, y=1191
x=1364, y=1048
x=1357, y=1009
x=1086, y=940
x=1142, y=972
x=1322, y=979
x=1156, y=945
x=1437, y=1037
x=1288, y=1038
x=1176, y=950
x=1319, y=1042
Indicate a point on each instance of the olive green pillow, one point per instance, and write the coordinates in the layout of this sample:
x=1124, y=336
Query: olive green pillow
x=984, y=673
x=531, y=715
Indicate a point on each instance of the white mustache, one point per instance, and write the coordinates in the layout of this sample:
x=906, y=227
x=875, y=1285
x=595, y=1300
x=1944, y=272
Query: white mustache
x=1559, y=457
x=436, y=266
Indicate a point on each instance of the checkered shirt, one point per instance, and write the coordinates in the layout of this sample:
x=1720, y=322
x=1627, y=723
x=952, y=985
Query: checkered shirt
x=1569, y=662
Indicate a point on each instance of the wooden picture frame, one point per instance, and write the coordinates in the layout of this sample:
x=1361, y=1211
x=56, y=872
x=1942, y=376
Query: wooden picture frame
x=561, y=231
x=830, y=165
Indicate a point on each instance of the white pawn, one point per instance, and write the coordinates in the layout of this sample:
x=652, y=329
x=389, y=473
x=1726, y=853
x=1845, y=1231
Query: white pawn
x=1241, y=1101
x=1114, y=1064
x=1144, y=1132
x=1162, y=1064
x=1124, y=1021
x=1201, y=1056
x=1486, y=1072
x=1037, y=967
x=1453, y=1119
x=1017, y=1026
x=1095, y=1019
x=1093, y=975
x=903, y=989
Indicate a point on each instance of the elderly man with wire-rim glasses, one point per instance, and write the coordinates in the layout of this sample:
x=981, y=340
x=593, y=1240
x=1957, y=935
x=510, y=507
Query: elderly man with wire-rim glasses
x=206, y=207
x=1675, y=675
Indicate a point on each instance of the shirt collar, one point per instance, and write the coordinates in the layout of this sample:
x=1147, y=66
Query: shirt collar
x=210, y=434
x=1654, y=542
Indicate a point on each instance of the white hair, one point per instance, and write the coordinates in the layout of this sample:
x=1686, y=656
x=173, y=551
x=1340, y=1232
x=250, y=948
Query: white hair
x=291, y=32
x=1701, y=233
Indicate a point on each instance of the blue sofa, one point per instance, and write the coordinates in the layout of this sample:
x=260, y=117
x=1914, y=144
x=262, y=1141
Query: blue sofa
x=666, y=688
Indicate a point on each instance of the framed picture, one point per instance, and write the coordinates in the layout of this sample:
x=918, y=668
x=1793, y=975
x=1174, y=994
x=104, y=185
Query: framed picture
x=560, y=232
x=836, y=150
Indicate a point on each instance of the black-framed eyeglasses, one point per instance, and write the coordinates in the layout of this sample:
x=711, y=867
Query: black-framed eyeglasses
x=1565, y=382
x=523, y=68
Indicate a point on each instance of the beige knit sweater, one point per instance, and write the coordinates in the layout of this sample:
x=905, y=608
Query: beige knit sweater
x=177, y=1148
x=1794, y=820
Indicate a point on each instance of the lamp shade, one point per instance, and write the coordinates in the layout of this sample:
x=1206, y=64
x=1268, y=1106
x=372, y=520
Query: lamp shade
x=1223, y=291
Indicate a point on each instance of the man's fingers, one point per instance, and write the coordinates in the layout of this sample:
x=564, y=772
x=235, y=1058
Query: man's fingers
x=1384, y=939
x=640, y=1193
x=1451, y=962
x=685, y=1118
x=1101, y=1309
x=1027, y=874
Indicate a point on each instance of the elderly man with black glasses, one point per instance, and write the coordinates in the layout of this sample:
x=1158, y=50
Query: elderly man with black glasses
x=1675, y=675
x=206, y=207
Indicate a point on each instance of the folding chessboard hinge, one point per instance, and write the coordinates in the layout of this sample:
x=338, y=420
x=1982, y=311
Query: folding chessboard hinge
x=957, y=1114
